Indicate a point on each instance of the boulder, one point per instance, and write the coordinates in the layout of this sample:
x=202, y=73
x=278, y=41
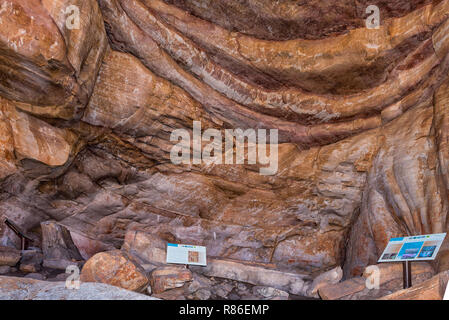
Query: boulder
x=9, y=256
x=13, y=288
x=115, y=268
x=170, y=277
x=58, y=247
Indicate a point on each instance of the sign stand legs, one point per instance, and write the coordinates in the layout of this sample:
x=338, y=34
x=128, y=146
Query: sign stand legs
x=407, y=273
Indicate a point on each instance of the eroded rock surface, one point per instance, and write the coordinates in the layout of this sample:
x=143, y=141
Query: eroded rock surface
x=86, y=117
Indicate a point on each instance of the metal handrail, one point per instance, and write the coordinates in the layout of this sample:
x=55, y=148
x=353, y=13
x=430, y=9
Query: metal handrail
x=23, y=237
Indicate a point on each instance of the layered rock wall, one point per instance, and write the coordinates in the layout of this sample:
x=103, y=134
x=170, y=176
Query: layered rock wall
x=86, y=116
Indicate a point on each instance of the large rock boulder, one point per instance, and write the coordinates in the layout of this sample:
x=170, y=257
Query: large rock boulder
x=117, y=269
x=58, y=247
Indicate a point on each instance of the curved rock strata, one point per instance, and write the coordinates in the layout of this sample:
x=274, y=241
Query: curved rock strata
x=48, y=69
x=87, y=116
x=284, y=20
x=354, y=61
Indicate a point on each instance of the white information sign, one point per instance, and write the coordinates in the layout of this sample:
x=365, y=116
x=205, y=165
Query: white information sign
x=186, y=254
x=414, y=248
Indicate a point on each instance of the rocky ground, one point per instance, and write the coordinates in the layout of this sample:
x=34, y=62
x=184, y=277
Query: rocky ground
x=128, y=269
x=139, y=270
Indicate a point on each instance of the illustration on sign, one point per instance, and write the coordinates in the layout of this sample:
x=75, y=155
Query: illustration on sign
x=186, y=254
x=424, y=247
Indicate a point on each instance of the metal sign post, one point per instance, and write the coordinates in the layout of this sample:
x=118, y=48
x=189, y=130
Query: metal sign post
x=407, y=273
x=412, y=248
x=24, y=240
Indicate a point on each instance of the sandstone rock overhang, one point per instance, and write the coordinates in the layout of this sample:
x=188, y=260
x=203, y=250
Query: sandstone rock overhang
x=86, y=117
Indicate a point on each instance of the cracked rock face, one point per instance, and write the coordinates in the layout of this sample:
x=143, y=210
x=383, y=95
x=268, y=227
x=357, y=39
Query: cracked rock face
x=86, y=116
